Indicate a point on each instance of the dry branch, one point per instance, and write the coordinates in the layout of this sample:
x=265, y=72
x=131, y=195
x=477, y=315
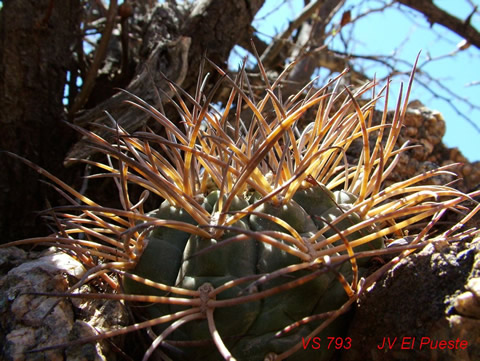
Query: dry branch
x=435, y=15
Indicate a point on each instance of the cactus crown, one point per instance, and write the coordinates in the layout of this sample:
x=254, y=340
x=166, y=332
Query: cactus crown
x=254, y=209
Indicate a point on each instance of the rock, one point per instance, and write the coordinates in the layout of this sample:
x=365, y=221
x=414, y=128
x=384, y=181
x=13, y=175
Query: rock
x=424, y=129
x=430, y=296
x=30, y=321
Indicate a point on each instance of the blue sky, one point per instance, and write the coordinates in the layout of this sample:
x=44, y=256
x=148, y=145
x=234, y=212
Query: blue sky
x=385, y=32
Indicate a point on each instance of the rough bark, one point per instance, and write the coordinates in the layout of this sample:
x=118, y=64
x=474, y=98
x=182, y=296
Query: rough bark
x=173, y=47
x=33, y=67
x=33, y=64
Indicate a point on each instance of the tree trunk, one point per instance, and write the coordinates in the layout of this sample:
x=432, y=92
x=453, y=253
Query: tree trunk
x=36, y=38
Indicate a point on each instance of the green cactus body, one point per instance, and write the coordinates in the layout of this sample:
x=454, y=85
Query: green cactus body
x=178, y=259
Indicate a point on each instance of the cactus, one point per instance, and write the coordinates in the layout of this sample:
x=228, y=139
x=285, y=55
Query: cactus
x=265, y=232
x=192, y=262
